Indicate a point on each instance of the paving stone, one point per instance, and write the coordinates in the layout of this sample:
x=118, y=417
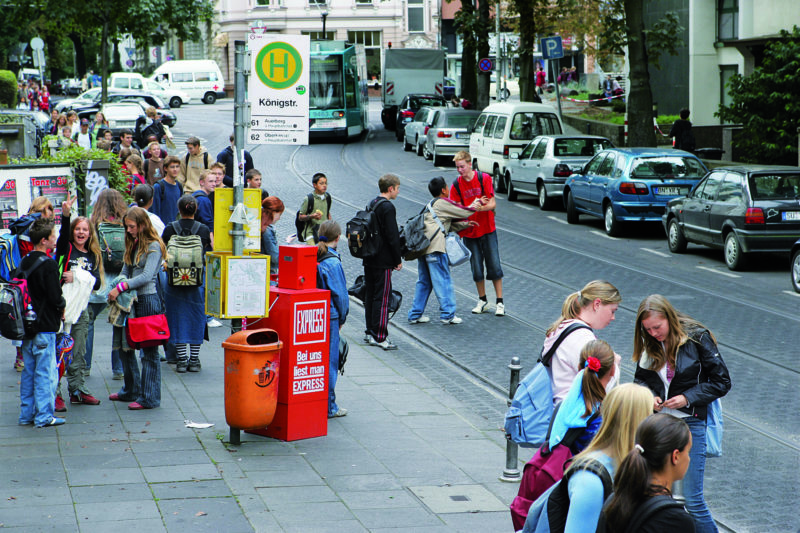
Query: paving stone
x=363, y=482
x=204, y=514
x=146, y=525
x=24, y=496
x=397, y=517
x=110, y=493
x=311, y=513
x=278, y=498
x=285, y=478
x=101, y=460
x=187, y=472
x=116, y=510
x=378, y=499
x=209, y=488
x=171, y=458
x=104, y=476
x=458, y=499
x=59, y=516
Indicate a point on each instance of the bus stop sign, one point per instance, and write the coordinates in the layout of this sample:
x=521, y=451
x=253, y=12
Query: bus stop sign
x=552, y=48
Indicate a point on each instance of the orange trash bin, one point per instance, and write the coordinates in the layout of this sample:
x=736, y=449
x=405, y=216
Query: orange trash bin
x=251, y=378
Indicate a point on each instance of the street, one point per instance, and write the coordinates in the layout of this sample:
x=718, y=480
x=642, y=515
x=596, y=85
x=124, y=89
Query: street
x=753, y=314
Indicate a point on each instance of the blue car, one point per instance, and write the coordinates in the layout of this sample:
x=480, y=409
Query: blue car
x=623, y=185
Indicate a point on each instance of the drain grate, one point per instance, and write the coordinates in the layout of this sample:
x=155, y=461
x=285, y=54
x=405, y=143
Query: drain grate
x=459, y=498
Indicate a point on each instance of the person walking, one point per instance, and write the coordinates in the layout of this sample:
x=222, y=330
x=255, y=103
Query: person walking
x=659, y=458
x=681, y=132
x=226, y=158
x=442, y=216
x=678, y=360
x=378, y=268
x=474, y=189
x=144, y=253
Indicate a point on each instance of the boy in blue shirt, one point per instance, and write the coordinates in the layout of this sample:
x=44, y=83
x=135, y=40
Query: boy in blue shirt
x=167, y=191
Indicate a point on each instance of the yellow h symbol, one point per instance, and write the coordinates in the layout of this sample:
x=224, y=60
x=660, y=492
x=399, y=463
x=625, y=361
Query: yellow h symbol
x=274, y=65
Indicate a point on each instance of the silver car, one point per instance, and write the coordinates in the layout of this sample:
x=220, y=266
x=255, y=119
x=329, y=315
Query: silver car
x=414, y=132
x=546, y=162
x=449, y=133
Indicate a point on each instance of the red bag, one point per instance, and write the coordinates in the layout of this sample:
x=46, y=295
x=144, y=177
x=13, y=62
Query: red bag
x=147, y=331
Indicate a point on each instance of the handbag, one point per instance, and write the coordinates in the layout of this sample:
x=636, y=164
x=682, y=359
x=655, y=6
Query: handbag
x=457, y=252
x=147, y=331
x=359, y=290
x=714, y=429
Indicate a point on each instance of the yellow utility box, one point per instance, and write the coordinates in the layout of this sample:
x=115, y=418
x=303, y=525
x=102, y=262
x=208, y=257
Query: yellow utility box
x=223, y=200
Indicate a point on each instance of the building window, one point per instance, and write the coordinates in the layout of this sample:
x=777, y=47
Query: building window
x=363, y=2
x=416, y=16
x=317, y=35
x=317, y=2
x=262, y=2
x=370, y=39
x=726, y=72
x=728, y=20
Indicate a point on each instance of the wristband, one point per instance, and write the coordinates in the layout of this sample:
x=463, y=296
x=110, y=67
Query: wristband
x=121, y=287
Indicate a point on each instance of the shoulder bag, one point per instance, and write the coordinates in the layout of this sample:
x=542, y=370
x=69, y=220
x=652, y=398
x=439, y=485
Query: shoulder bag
x=457, y=251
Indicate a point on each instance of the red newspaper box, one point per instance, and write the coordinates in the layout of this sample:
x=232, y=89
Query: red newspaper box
x=297, y=265
x=301, y=319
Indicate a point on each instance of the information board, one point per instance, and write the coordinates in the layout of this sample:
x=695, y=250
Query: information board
x=278, y=88
x=237, y=286
x=223, y=200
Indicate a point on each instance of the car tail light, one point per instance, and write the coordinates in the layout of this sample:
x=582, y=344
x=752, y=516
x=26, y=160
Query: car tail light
x=443, y=135
x=562, y=171
x=505, y=150
x=426, y=130
x=632, y=187
x=406, y=114
x=338, y=114
x=754, y=215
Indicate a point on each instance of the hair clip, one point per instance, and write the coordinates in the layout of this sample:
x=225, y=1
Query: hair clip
x=322, y=238
x=639, y=448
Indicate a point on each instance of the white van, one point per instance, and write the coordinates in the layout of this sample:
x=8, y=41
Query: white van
x=506, y=128
x=200, y=78
x=136, y=82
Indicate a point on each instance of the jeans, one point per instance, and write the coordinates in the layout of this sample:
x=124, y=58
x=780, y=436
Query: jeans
x=693, y=481
x=434, y=274
x=333, y=366
x=116, y=365
x=484, y=249
x=37, y=385
x=75, y=371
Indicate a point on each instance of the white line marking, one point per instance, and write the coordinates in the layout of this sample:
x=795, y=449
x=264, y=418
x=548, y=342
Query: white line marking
x=525, y=207
x=660, y=254
x=559, y=220
x=793, y=293
x=715, y=271
x=601, y=234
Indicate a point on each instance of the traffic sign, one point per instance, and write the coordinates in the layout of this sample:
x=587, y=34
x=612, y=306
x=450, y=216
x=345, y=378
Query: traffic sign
x=552, y=48
x=278, y=88
x=37, y=43
x=485, y=65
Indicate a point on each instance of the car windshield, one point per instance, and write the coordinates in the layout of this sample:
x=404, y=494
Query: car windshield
x=461, y=121
x=579, y=147
x=667, y=167
x=89, y=95
x=775, y=186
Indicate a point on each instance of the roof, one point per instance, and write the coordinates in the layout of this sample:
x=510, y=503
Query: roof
x=652, y=152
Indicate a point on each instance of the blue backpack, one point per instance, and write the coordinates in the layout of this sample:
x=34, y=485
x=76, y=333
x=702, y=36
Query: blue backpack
x=531, y=409
x=9, y=255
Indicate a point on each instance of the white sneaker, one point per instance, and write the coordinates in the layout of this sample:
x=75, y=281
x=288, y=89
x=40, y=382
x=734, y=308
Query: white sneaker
x=340, y=413
x=480, y=307
x=367, y=338
x=213, y=323
x=386, y=345
x=500, y=309
x=421, y=320
x=454, y=320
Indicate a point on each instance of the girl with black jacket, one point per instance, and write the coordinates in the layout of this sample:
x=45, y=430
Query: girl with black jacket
x=678, y=360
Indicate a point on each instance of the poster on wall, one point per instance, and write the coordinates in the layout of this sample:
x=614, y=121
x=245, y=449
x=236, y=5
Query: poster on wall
x=21, y=184
x=8, y=203
x=53, y=188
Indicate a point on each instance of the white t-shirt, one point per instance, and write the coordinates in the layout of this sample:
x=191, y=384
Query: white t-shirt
x=84, y=140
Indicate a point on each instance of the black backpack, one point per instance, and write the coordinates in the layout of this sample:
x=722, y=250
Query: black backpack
x=300, y=226
x=558, y=501
x=413, y=241
x=363, y=232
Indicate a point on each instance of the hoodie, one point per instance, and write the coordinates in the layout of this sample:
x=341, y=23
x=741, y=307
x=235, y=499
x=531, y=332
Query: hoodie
x=190, y=173
x=564, y=364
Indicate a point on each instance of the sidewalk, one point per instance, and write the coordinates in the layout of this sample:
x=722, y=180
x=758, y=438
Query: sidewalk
x=407, y=457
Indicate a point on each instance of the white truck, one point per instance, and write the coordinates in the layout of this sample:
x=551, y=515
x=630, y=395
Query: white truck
x=407, y=71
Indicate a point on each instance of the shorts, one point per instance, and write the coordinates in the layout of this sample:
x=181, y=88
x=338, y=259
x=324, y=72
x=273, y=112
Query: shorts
x=484, y=250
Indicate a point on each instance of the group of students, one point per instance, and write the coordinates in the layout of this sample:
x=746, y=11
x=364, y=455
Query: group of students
x=679, y=373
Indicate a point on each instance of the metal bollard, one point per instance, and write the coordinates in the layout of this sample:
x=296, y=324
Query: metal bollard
x=511, y=474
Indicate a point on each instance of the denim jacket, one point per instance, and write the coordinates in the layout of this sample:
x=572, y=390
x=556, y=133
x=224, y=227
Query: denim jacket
x=330, y=276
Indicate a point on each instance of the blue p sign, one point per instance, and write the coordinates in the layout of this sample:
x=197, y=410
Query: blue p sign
x=552, y=48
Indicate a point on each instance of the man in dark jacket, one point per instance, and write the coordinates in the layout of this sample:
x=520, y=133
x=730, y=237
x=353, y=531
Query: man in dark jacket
x=682, y=132
x=378, y=268
x=226, y=158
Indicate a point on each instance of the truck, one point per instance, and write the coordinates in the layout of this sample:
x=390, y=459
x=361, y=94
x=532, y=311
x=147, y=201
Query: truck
x=406, y=71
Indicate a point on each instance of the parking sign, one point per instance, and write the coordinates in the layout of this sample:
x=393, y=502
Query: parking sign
x=552, y=48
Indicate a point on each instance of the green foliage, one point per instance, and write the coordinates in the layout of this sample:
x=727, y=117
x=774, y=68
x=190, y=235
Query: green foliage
x=8, y=89
x=765, y=104
x=660, y=39
x=618, y=105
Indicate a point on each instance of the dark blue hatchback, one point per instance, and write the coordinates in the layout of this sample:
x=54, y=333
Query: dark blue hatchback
x=623, y=185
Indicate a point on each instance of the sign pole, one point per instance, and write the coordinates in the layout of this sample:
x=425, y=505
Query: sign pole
x=558, y=91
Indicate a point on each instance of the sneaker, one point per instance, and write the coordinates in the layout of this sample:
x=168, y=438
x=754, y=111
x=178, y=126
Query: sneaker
x=118, y=377
x=213, y=322
x=368, y=339
x=500, y=310
x=19, y=364
x=420, y=320
x=341, y=412
x=84, y=398
x=194, y=366
x=480, y=307
x=60, y=405
x=386, y=345
x=53, y=422
x=454, y=320
x=181, y=367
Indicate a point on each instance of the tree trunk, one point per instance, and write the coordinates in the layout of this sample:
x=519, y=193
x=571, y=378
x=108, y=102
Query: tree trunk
x=484, y=78
x=640, y=98
x=527, y=38
x=469, y=63
x=116, y=60
x=80, y=54
x=104, y=61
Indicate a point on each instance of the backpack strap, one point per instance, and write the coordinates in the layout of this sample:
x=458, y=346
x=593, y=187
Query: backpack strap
x=176, y=227
x=595, y=467
x=429, y=207
x=310, y=204
x=546, y=357
x=205, y=160
x=23, y=274
x=186, y=161
x=645, y=511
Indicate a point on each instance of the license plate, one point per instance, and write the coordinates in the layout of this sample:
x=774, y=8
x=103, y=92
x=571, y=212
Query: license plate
x=668, y=191
x=790, y=215
x=462, y=135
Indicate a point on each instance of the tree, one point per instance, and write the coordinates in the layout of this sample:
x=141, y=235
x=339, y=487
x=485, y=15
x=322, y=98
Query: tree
x=765, y=104
x=465, y=24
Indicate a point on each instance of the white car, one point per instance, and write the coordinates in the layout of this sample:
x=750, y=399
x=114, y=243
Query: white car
x=122, y=116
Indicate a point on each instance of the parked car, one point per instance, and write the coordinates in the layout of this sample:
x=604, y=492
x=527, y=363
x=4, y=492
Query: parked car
x=85, y=98
x=449, y=133
x=414, y=132
x=795, y=269
x=70, y=86
x=544, y=165
x=409, y=105
x=630, y=185
x=122, y=116
x=89, y=103
x=741, y=210
x=137, y=82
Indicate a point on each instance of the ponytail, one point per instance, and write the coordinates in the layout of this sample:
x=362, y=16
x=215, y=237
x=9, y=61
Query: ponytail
x=597, y=359
x=575, y=302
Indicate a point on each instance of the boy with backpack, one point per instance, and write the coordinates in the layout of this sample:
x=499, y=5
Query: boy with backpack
x=39, y=378
x=315, y=209
x=167, y=191
x=205, y=209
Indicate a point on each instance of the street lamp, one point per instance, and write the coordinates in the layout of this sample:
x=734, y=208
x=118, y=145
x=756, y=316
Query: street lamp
x=324, y=18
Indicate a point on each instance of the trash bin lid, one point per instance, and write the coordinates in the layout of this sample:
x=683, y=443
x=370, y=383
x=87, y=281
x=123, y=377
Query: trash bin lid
x=255, y=340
